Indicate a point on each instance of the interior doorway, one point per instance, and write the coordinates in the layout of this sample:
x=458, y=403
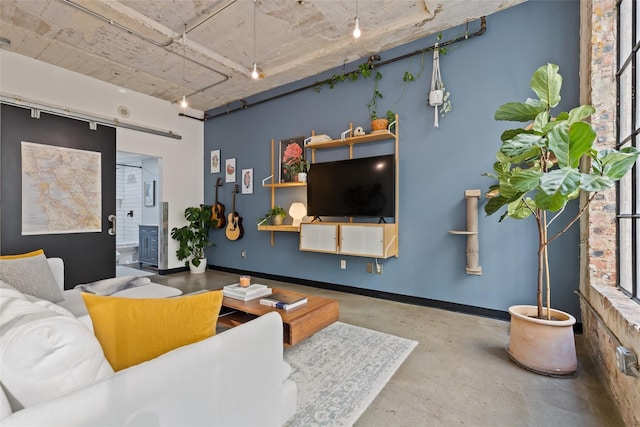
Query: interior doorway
x=138, y=211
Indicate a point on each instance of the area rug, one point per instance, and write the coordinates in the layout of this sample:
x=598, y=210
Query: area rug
x=340, y=370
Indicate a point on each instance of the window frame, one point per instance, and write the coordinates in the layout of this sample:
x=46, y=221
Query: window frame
x=629, y=64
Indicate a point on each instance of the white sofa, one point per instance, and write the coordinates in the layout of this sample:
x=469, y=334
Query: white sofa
x=236, y=378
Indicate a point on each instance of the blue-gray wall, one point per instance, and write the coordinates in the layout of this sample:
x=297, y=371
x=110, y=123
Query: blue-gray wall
x=436, y=166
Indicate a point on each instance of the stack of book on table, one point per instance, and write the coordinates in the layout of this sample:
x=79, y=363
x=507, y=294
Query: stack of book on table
x=284, y=301
x=253, y=291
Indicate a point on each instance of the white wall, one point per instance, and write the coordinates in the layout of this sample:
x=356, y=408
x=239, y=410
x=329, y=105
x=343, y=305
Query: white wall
x=182, y=162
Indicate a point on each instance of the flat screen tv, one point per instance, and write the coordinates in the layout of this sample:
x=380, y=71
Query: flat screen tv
x=363, y=187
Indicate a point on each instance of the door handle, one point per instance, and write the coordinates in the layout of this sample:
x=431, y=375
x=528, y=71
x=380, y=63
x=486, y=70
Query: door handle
x=112, y=229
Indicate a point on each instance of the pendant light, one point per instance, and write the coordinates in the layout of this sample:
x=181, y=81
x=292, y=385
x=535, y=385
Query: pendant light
x=184, y=104
x=254, y=72
x=356, y=30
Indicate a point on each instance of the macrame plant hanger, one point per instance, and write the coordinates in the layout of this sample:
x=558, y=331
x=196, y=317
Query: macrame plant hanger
x=436, y=95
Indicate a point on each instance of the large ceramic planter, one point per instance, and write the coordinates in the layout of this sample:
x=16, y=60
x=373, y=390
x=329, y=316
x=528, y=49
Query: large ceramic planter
x=199, y=269
x=544, y=346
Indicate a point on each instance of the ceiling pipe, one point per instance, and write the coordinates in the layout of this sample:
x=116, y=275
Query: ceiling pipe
x=371, y=59
x=163, y=45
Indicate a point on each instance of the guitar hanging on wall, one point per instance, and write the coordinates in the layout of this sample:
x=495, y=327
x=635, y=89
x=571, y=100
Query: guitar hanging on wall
x=234, y=229
x=217, y=210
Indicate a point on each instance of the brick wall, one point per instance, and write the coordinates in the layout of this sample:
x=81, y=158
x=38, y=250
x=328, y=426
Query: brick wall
x=609, y=317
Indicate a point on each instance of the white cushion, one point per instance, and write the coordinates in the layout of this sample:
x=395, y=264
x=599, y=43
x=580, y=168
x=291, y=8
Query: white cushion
x=5, y=407
x=8, y=291
x=45, y=354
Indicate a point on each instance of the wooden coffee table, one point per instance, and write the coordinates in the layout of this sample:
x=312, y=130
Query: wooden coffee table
x=298, y=323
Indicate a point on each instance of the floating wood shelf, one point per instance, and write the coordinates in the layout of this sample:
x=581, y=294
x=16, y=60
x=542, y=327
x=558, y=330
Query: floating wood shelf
x=279, y=228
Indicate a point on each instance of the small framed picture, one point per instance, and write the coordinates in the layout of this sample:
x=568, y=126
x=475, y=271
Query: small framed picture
x=291, y=150
x=215, y=161
x=150, y=193
x=230, y=170
x=247, y=181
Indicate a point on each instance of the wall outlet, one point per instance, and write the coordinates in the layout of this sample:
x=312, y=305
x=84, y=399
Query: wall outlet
x=343, y=264
x=627, y=361
x=243, y=253
x=369, y=267
x=378, y=268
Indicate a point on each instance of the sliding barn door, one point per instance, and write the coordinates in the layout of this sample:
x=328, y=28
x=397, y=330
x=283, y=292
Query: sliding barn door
x=58, y=191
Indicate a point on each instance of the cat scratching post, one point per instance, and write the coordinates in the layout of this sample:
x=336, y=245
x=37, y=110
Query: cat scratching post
x=472, y=197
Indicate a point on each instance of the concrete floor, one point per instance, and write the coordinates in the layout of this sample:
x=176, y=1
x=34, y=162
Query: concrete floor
x=459, y=374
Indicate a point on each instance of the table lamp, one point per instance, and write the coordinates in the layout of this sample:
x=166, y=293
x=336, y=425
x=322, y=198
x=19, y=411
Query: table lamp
x=297, y=211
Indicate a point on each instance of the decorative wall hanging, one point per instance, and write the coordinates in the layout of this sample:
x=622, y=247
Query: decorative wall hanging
x=230, y=170
x=49, y=204
x=215, y=161
x=436, y=95
x=150, y=193
x=247, y=181
x=291, y=151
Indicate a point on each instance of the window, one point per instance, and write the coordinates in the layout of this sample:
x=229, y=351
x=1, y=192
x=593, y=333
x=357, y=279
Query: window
x=628, y=76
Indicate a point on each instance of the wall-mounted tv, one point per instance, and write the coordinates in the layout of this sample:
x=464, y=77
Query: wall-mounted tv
x=363, y=187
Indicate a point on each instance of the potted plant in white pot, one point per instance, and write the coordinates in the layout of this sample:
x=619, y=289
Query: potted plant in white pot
x=539, y=170
x=194, y=237
x=298, y=169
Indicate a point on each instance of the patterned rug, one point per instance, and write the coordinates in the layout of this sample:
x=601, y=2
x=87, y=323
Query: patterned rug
x=340, y=370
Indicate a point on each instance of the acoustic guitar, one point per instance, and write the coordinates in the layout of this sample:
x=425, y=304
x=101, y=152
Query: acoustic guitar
x=217, y=210
x=234, y=229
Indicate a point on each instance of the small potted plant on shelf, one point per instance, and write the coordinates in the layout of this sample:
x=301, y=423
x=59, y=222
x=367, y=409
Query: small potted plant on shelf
x=538, y=171
x=298, y=168
x=194, y=237
x=276, y=214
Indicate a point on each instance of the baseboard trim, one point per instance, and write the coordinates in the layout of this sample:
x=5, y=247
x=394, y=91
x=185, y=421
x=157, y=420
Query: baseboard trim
x=390, y=296
x=172, y=270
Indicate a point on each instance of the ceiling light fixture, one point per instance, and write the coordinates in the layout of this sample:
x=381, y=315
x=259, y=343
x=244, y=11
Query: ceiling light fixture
x=184, y=104
x=254, y=72
x=356, y=30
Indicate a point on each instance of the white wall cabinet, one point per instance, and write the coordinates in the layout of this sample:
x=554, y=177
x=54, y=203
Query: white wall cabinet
x=319, y=238
x=369, y=240
x=372, y=240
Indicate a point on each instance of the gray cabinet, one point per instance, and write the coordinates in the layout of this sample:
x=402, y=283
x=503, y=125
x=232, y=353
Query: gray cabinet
x=148, y=245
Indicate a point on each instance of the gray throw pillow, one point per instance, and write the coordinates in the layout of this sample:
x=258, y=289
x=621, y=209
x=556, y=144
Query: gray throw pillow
x=31, y=276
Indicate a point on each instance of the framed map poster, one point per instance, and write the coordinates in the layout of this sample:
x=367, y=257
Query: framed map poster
x=49, y=204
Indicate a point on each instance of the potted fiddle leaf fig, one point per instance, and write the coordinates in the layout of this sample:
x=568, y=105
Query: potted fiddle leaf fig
x=540, y=168
x=194, y=237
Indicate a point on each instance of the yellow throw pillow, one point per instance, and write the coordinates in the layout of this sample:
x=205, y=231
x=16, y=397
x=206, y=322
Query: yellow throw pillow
x=25, y=255
x=134, y=330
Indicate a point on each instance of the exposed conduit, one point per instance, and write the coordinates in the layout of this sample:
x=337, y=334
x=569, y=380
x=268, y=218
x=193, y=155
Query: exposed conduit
x=245, y=105
x=163, y=45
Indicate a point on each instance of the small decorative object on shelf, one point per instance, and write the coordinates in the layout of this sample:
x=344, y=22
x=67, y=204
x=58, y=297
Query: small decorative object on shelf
x=245, y=281
x=236, y=291
x=284, y=301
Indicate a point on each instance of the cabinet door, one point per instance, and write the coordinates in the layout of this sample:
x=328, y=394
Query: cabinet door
x=319, y=238
x=362, y=240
